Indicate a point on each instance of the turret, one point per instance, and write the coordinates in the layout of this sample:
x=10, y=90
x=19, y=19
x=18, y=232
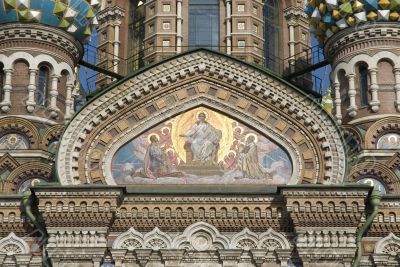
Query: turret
x=40, y=45
x=361, y=40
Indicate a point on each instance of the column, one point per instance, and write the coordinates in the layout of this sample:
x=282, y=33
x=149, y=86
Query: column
x=338, y=102
x=53, y=96
x=6, y=103
x=397, y=88
x=116, y=45
x=228, y=21
x=179, y=37
x=352, y=110
x=374, y=90
x=30, y=103
x=68, y=102
x=292, y=59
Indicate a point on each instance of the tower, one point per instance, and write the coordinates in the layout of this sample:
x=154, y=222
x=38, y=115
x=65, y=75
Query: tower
x=40, y=45
x=361, y=40
x=135, y=33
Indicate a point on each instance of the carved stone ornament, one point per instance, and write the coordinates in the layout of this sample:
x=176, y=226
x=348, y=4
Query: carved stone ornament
x=201, y=237
x=12, y=245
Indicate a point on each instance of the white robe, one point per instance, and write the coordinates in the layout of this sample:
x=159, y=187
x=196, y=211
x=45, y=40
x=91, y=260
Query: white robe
x=204, y=140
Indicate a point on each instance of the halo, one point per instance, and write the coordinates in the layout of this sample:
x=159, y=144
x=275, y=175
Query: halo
x=165, y=128
x=150, y=135
x=35, y=182
x=393, y=136
x=232, y=151
x=239, y=127
x=170, y=149
x=252, y=134
x=202, y=111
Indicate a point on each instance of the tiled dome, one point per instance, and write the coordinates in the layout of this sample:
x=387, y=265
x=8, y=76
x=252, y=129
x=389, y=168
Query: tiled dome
x=74, y=16
x=328, y=17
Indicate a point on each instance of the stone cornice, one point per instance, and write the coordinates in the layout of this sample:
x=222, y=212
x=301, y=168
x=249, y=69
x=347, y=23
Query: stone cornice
x=35, y=32
x=113, y=13
x=370, y=34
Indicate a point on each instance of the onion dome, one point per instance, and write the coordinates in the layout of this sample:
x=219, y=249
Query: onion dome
x=328, y=17
x=76, y=17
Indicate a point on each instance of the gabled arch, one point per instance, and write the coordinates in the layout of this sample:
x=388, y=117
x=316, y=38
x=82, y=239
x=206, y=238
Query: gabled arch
x=388, y=245
x=13, y=244
x=211, y=79
x=129, y=240
x=201, y=236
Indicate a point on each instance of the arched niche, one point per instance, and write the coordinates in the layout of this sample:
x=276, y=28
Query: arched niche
x=201, y=78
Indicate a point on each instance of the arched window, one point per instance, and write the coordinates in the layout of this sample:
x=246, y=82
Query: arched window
x=43, y=83
x=271, y=34
x=204, y=23
x=363, y=85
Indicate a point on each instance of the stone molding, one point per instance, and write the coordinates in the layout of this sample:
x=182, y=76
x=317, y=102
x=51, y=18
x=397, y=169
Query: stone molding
x=77, y=237
x=51, y=36
x=112, y=13
x=377, y=35
x=203, y=237
x=257, y=84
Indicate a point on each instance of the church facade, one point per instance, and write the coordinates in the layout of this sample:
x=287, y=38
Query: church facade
x=196, y=149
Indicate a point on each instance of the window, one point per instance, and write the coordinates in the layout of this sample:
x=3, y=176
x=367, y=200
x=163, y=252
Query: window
x=240, y=7
x=165, y=43
x=389, y=141
x=102, y=54
x=255, y=10
x=241, y=25
x=166, y=8
x=304, y=36
x=271, y=34
x=241, y=43
x=166, y=25
x=43, y=81
x=104, y=36
x=151, y=28
x=151, y=47
x=255, y=45
x=136, y=33
x=255, y=28
x=152, y=10
x=363, y=82
x=204, y=23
